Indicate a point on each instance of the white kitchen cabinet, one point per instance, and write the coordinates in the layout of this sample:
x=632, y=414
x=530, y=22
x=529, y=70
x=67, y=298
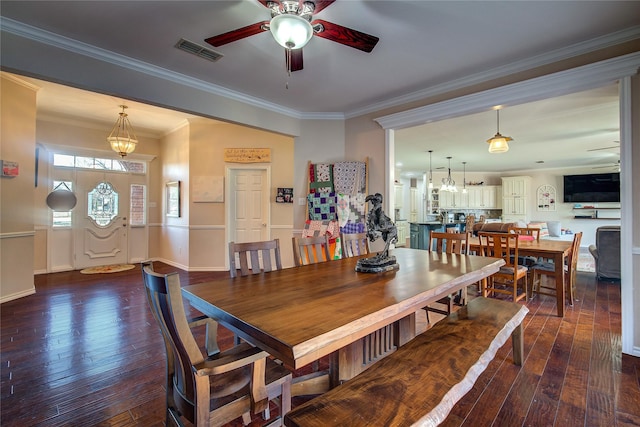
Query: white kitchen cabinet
x=449, y=200
x=403, y=230
x=485, y=197
x=515, y=191
x=414, y=202
x=398, y=196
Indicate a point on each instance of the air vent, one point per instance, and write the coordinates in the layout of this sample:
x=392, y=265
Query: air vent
x=198, y=50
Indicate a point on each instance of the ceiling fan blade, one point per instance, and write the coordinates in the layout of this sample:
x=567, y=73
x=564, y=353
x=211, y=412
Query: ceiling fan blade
x=238, y=34
x=296, y=59
x=346, y=36
x=321, y=4
x=604, y=148
x=265, y=3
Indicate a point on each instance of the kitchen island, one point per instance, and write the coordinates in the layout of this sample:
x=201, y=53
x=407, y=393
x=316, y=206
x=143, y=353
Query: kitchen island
x=419, y=231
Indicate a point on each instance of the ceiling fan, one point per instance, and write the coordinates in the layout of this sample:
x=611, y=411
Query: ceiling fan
x=614, y=166
x=292, y=27
x=607, y=148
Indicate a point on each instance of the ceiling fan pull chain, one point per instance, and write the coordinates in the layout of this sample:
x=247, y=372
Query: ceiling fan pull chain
x=288, y=67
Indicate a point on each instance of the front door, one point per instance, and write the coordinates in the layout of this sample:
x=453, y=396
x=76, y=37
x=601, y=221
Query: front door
x=101, y=218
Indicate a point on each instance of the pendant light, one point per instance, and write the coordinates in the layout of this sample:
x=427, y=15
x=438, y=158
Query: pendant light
x=449, y=184
x=499, y=143
x=430, y=173
x=122, y=137
x=464, y=177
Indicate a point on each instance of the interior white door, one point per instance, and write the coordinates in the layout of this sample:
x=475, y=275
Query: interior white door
x=100, y=219
x=249, y=205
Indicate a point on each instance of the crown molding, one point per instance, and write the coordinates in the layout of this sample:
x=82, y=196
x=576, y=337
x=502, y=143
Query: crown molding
x=503, y=71
x=560, y=83
x=55, y=40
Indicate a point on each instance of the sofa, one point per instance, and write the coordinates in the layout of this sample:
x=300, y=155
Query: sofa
x=493, y=227
x=606, y=252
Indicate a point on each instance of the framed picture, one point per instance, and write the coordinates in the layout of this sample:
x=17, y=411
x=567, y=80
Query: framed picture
x=173, y=199
x=284, y=195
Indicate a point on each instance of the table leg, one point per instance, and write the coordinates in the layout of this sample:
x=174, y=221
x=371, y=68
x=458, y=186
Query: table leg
x=560, y=291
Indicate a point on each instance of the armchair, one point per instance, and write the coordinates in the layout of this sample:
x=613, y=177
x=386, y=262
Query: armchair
x=606, y=252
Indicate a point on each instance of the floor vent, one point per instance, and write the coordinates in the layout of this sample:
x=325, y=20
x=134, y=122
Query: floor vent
x=196, y=49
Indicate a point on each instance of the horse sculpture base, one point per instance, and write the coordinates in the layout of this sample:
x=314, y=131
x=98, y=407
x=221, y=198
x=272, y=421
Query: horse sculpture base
x=377, y=264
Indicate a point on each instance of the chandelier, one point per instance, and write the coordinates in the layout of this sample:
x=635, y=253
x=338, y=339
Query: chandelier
x=430, y=173
x=499, y=143
x=464, y=178
x=122, y=137
x=449, y=184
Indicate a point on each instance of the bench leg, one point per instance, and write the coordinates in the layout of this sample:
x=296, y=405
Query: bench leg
x=517, y=338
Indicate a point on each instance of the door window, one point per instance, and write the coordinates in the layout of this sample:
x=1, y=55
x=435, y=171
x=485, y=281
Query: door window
x=102, y=204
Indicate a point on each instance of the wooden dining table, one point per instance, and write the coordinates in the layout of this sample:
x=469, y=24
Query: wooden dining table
x=556, y=250
x=302, y=314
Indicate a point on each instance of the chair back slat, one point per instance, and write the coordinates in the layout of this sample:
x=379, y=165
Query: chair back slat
x=500, y=245
x=448, y=242
x=526, y=231
x=354, y=244
x=310, y=250
x=250, y=255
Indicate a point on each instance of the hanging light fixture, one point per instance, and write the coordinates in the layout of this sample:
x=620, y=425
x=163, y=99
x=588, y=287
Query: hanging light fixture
x=449, y=184
x=430, y=173
x=290, y=26
x=499, y=143
x=122, y=137
x=464, y=177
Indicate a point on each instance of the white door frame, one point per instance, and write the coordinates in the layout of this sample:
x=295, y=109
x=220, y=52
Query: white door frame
x=229, y=206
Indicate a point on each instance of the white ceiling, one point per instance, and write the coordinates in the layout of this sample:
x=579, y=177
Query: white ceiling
x=423, y=44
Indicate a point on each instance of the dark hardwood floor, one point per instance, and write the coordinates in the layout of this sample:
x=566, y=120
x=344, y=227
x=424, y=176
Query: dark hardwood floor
x=85, y=351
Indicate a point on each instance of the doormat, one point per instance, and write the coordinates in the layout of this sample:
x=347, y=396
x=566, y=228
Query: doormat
x=107, y=269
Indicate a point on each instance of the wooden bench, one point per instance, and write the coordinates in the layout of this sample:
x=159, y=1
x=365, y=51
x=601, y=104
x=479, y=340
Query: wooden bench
x=422, y=380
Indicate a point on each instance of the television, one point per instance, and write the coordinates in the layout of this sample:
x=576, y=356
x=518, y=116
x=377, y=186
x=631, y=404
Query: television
x=595, y=187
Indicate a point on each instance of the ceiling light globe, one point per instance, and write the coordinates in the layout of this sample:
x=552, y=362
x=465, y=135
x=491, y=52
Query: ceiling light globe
x=498, y=145
x=291, y=31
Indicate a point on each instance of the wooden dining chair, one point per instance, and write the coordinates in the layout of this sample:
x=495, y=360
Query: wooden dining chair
x=310, y=250
x=534, y=233
x=251, y=253
x=450, y=243
x=548, y=269
x=216, y=390
x=211, y=326
x=354, y=244
x=505, y=281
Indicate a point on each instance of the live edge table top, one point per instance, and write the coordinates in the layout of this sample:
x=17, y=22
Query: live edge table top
x=304, y=313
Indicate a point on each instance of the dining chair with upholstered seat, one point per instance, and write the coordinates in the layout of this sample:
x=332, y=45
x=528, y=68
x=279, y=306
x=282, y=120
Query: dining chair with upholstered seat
x=210, y=391
x=548, y=269
x=251, y=253
x=505, y=281
x=450, y=243
x=354, y=244
x=310, y=250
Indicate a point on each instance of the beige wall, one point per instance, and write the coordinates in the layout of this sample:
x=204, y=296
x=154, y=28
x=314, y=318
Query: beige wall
x=17, y=144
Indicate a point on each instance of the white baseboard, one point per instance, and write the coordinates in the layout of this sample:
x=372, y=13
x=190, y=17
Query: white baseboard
x=17, y=295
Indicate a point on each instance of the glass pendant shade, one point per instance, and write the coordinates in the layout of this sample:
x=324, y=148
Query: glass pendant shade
x=122, y=137
x=291, y=31
x=499, y=143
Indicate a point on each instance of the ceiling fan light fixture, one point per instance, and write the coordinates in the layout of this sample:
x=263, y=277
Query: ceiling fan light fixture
x=291, y=31
x=122, y=138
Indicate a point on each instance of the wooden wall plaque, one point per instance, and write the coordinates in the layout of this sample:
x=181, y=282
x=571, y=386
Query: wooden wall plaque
x=247, y=155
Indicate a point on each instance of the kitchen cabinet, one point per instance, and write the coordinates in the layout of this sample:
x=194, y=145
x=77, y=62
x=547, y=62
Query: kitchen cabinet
x=485, y=197
x=457, y=200
x=398, y=196
x=413, y=204
x=434, y=201
x=515, y=190
x=403, y=230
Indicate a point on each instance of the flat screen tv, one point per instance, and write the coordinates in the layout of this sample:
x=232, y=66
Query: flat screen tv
x=595, y=187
